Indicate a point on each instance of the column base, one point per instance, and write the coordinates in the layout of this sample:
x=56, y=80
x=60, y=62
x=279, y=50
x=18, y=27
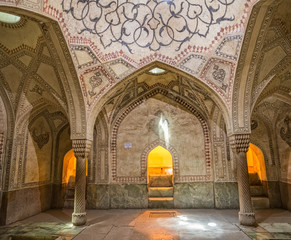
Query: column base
x=79, y=219
x=247, y=219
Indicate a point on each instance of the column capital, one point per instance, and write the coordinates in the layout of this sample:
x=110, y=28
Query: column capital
x=239, y=142
x=81, y=147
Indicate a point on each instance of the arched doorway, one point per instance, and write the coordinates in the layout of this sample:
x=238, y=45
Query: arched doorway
x=68, y=177
x=256, y=164
x=69, y=168
x=160, y=178
x=257, y=177
x=69, y=174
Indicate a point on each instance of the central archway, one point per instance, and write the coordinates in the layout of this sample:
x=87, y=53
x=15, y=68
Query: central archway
x=160, y=168
x=160, y=178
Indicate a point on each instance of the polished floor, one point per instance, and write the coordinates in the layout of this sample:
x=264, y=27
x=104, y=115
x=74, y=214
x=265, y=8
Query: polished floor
x=141, y=224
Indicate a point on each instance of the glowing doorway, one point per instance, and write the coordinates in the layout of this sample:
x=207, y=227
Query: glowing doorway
x=68, y=178
x=256, y=162
x=160, y=178
x=69, y=167
x=160, y=163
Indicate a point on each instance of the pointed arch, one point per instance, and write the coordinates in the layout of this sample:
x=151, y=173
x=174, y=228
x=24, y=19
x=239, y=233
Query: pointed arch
x=126, y=110
x=198, y=84
x=150, y=147
x=58, y=46
x=256, y=162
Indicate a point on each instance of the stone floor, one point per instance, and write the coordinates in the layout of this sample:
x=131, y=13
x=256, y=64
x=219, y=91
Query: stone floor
x=141, y=224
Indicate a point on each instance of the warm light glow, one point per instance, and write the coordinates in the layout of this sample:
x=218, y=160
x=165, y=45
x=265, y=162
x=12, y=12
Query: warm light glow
x=160, y=162
x=157, y=70
x=256, y=163
x=160, y=158
x=9, y=18
x=69, y=166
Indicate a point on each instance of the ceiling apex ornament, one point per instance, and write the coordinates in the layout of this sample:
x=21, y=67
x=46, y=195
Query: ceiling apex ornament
x=157, y=70
x=151, y=24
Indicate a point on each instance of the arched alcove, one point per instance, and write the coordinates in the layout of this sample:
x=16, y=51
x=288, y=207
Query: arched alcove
x=256, y=162
x=160, y=178
x=160, y=165
x=69, y=167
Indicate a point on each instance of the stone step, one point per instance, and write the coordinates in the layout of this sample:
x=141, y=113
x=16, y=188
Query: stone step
x=161, y=181
x=260, y=202
x=254, y=179
x=161, y=202
x=161, y=191
x=257, y=191
x=70, y=193
x=69, y=203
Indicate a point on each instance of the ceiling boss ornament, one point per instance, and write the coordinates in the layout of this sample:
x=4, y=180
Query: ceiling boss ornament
x=149, y=24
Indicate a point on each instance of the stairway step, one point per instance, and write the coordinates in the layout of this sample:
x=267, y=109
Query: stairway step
x=161, y=181
x=161, y=191
x=260, y=202
x=70, y=193
x=69, y=203
x=161, y=202
x=257, y=191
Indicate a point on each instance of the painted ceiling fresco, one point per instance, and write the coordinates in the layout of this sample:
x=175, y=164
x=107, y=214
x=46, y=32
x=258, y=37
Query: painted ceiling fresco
x=148, y=24
x=202, y=38
x=111, y=39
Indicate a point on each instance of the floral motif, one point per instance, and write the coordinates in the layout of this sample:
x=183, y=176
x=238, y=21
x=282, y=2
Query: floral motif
x=219, y=75
x=148, y=23
x=95, y=81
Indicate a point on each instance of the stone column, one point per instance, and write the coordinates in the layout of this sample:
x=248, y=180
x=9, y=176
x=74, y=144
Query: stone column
x=240, y=144
x=81, y=148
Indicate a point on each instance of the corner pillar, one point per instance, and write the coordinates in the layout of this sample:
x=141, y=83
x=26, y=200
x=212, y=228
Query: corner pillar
x=81, y=148
x=240, y=145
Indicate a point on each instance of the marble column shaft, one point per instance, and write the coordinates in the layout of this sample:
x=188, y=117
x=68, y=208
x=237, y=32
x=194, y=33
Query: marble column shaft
x=81, y=148
x=240, y=144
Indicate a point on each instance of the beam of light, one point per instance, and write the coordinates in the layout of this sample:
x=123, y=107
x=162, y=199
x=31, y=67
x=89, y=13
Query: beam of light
x=164, y=125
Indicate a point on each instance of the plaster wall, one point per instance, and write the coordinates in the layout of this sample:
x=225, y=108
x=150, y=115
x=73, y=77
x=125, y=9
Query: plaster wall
x=142, y=127
x=26, y=202
x=283, y=130
x=30, y=190
x=38, y=157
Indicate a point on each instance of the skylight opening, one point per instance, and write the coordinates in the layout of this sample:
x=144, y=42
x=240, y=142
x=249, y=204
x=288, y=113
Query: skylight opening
x=9, y=18
x=157, y=70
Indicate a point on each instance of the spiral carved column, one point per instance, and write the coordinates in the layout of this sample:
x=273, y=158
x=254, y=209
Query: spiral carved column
x=240, y=144
x=81, y=148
